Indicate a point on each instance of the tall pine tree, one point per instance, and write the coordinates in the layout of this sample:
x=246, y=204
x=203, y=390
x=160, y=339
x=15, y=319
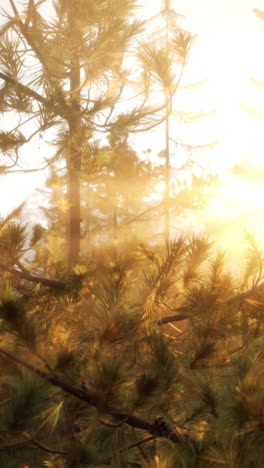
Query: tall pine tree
x=65, y=73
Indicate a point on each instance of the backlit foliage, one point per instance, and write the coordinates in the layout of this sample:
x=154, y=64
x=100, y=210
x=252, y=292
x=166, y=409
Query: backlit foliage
x=155, y=332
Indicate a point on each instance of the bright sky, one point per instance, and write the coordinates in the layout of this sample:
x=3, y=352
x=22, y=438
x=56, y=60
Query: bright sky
x=228, y=52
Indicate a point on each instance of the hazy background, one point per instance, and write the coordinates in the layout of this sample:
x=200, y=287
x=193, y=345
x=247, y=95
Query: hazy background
x=228, y=52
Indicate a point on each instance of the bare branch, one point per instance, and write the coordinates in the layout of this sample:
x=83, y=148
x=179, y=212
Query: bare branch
x=37, y=169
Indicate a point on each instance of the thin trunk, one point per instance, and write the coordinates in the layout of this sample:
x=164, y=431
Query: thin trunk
x=74, y=169
x=167, y=176
x=167, y=142
x=74, y=165
x=115, y=223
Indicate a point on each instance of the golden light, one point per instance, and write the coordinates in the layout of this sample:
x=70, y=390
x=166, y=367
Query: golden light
x=228, y=54
x=230, y=63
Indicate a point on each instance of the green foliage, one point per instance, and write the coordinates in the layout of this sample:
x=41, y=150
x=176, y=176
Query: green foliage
x=198, y=250
x=159, y=64
x=13, y=237
x=29, y=397
x=10, y=141
x=253, y=262
x=16, y=320
x=181, y=43
x=37, y=234
x=204, y=376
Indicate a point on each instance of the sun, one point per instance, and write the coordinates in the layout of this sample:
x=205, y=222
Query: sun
x=237, y=205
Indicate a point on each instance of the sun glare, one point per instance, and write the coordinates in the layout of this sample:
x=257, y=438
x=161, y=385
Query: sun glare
x=235, y=210
x=237, y=206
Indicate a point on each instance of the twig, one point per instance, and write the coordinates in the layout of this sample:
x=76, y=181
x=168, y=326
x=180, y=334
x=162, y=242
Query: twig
x=173, y=318
x=110, y=424
x=31, y=441
x=140, y=442
x=47, y=449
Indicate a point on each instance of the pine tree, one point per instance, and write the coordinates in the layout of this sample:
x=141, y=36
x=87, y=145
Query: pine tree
x=166, y=53
x=154, y=356
x=59, y=74
x=67, y=74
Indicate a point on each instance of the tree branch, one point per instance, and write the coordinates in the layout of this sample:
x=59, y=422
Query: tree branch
x=232, y=300
x=45, y=448
x=34, y=279
x=160, y=428
x=173, y=318
x=30, y=92
x=32, y=441
x=24, y=29
x=32, y=43
x=245, y=295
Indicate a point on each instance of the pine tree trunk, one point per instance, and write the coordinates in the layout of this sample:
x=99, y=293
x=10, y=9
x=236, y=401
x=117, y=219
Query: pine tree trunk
x=115, y=223
x=167, y=178
x=74, y=165
x=167, y=142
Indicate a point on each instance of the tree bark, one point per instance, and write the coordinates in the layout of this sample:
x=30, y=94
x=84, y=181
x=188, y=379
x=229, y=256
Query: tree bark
x=74, y=218
x=74, y=160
